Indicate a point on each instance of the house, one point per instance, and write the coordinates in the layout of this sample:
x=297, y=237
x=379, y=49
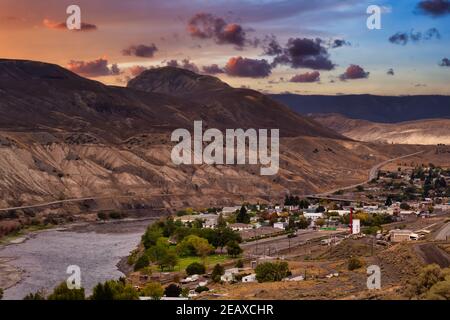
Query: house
x=249, y=278
x=294, y=278
x=341, y=212
x=280, y=225
x=402, y=235
x=240, y=226
x=194, y=217
x=230, y=210
x=313, y=215
x=229, y=274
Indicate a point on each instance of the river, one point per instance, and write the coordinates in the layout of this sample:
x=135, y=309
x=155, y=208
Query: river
x=44, y=256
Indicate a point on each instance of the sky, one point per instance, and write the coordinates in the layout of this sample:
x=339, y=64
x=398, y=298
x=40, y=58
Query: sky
x=274, y=46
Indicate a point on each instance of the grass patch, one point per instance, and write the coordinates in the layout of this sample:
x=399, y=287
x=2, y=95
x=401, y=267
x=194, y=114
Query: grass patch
x=210, y=261
x=22, y=232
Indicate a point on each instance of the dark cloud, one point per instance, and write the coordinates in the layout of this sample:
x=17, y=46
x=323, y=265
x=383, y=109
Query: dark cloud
x=63, y=26
x=305, y=53
x=399, y=38
x=271, y=46
x=212, y=69
x=140, y=50
x=337, y=43
x=184, y=64
x=390, y=72
x=306, y=77
x=245, y=67
x=402, y=38
x=432, y=33
x=445, y=62
x=435, y=8
x=208, y=26
x=95, y=68
x=354, y=72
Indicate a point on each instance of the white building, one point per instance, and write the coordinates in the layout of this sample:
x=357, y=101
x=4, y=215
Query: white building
x=313, y=215
x=240, y=226
x=280, y=225
x=249, y=278
x=229, y=274
x=230, y=210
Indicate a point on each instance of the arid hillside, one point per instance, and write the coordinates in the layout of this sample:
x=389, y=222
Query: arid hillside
x=63, y=136
x=426, y=132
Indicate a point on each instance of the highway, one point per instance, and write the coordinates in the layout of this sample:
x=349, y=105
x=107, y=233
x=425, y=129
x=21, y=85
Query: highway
x=372, y=174
x=444, y=233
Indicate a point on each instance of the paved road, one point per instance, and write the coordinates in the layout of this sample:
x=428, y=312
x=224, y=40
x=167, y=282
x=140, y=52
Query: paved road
x=444, y=233
x=372, y=174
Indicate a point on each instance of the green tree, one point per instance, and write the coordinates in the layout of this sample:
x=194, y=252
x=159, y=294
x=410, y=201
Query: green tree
x=217, y=272
x=194, y=246
x=114, y=290
x=39, y=295
x=233, y=249
x=142, y=262
x=62, y=292
x=151, y=236
x=302, y=223
x=272, y=271
x=242, y=216
x=153, y=290
x=195, y=268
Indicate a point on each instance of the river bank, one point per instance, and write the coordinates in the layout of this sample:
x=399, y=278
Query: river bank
x=39, y=260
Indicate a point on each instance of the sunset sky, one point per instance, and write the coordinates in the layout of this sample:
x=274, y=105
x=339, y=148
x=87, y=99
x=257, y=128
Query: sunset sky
x=298, y=46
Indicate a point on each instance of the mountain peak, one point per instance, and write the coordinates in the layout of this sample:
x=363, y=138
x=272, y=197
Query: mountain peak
x=175, y=81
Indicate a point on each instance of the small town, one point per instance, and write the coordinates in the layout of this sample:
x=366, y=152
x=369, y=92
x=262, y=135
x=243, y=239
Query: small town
x=323, y=240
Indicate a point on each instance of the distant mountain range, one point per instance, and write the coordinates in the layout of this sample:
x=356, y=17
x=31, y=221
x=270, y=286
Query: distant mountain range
x=427, y=131
x=385, y=109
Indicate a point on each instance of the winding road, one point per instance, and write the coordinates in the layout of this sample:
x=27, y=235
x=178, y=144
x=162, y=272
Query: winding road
x=372, y=174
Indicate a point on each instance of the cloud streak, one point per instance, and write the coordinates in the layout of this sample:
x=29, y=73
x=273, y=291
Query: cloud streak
x=49, y=24
x=140, y=50
x=95, y=68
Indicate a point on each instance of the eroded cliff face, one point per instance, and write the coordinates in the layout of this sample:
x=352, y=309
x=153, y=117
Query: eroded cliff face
x=63, y=137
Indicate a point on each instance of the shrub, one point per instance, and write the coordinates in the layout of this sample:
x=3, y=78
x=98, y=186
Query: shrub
x=142, y=262
x=62, y=292
x=239, y=264
x=153, y=290
x=115, y=215
x=195, y=268
x=217, y=272
x=39, y=295
x=102, y=216
x=200, y=289
x=272, y=271
x=354, y=263
x=172, y=290
x=114, y=290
